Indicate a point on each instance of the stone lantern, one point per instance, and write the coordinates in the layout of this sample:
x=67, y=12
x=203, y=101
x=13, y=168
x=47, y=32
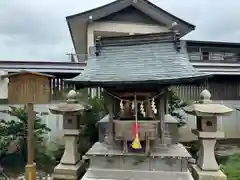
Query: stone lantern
x=71, y=166
x=207, y=167
x=171, y=134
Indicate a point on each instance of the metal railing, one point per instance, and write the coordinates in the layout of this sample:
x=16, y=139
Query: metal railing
x=214, y=58
x=82, y=58
x=77, y=58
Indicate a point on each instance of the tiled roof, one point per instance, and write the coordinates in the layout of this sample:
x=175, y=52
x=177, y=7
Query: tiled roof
x=141, y=60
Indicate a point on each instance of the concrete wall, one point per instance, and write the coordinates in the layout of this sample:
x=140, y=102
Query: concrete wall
x=230, y=125
x=3, y=86
x=54, y=122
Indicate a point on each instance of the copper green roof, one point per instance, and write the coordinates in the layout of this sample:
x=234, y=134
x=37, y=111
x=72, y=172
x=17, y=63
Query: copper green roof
x=139, y=59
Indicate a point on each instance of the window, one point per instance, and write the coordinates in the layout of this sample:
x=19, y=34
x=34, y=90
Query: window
x=229, y=56
x=216, y=56
x=193, y=49
x=194, y=53
x=205, y=56
x=195, y=56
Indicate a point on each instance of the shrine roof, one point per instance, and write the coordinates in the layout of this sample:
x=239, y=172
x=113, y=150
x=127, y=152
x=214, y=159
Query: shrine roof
x=27, y=72
x=139, y=59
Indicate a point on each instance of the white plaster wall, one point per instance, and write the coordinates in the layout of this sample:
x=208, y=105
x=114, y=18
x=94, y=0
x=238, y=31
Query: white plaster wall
x=54, y=122
x=122, y=27
x=3, y=85
x=230, y=125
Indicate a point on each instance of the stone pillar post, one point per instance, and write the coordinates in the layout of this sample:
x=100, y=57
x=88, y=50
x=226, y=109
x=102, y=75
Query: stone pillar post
x=110, y=129
x=206, y=159
x=171, y=134
x=71, y=167
x=71, y=137
x=207, y=167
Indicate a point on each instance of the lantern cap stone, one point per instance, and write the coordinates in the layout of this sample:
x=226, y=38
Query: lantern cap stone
x=72, y=96
x=205, y=96
x=205, y=107
x=207, y=110
x=71, y=105
x=169, y=119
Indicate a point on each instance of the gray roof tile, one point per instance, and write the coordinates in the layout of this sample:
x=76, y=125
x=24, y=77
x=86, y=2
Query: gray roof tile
x=156, y=61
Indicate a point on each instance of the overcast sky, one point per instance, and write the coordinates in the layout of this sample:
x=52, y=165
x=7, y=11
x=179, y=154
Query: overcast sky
x=37, y=29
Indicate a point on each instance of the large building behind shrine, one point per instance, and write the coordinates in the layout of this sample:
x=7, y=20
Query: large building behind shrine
x=128, y=17
x=133, y=17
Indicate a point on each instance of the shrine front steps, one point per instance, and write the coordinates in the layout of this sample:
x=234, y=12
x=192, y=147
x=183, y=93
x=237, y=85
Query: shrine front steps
x=164, y=160
x=116, y=174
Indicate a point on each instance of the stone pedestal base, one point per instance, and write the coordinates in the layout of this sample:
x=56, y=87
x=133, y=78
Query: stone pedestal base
x=198, y=174
x=69, y=172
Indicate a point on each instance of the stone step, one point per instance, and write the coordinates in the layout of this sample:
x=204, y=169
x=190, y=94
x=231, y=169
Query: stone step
x=144, y=163
x=169, y=158
x=116, y=174
x=160, y=150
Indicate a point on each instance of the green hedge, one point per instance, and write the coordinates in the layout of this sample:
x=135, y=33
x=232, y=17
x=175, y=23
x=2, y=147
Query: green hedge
x=232, y=167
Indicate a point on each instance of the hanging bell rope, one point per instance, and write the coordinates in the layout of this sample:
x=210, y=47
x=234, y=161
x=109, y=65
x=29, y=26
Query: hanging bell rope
x=136, y=142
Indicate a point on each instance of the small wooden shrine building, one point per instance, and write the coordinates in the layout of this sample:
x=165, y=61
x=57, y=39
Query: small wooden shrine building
x=135, y=73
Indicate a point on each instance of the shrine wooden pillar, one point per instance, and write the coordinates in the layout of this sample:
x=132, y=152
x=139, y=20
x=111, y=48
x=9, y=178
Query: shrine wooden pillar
x=109, y=101
x=162, y=109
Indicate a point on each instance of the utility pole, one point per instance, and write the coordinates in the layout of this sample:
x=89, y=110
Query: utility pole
x=31, y=166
